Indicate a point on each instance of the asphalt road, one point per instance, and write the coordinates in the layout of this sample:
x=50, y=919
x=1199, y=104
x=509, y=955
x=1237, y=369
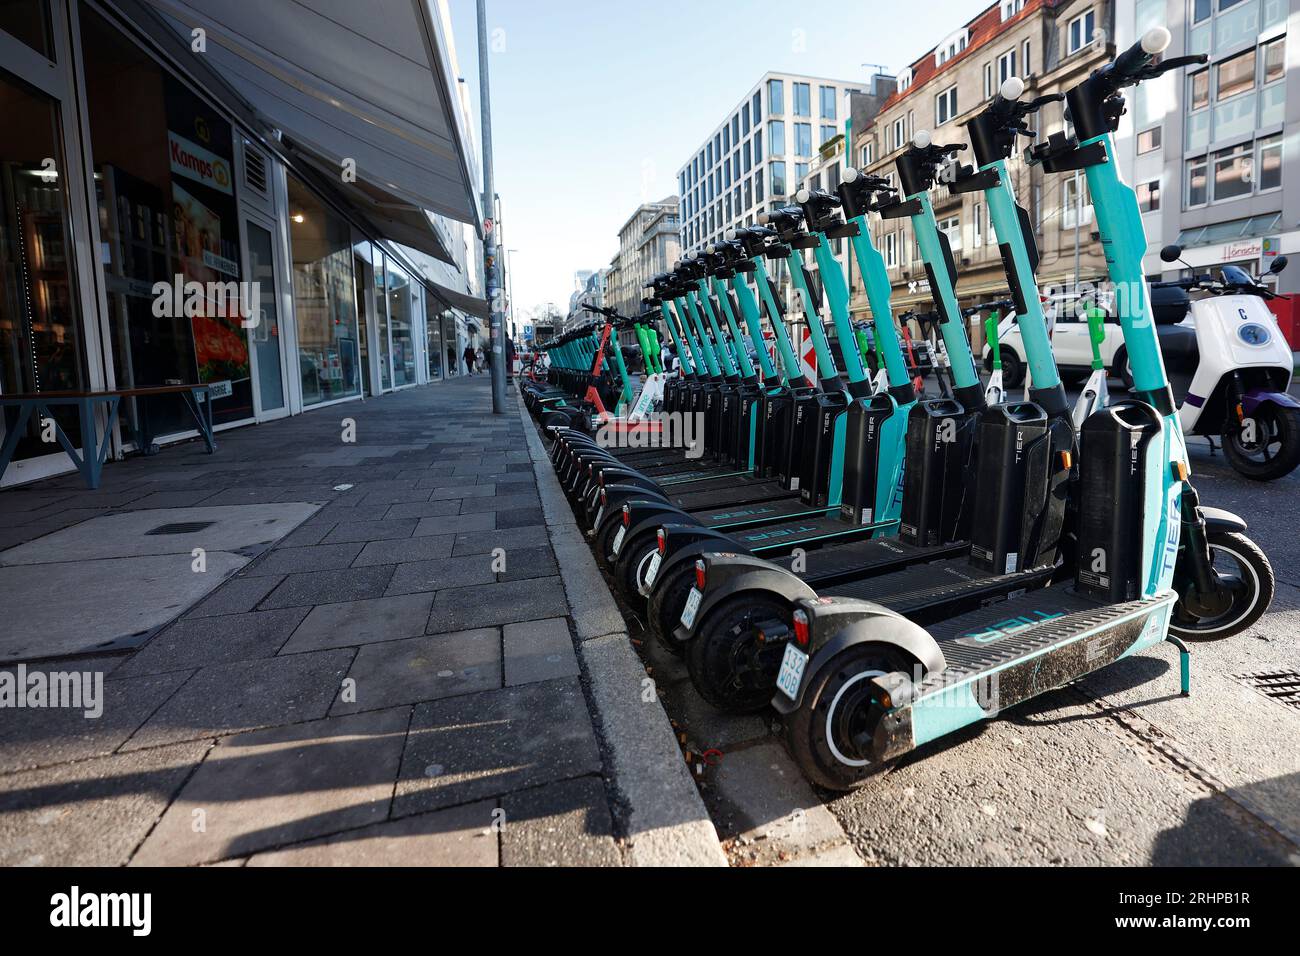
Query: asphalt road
x=1118, y=769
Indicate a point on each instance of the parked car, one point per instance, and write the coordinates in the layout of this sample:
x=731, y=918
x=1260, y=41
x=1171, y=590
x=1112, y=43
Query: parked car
x=1067, y=319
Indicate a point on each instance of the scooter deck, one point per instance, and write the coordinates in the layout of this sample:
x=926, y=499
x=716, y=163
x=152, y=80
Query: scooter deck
x=927, y=593
x=780, y=510
x=848, y=561
x=726, y=492
x=818, y=528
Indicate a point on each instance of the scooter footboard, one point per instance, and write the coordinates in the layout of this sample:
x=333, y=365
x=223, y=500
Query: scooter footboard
x=1003, y=656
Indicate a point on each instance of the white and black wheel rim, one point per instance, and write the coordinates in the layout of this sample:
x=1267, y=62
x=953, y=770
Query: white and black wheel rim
x=1237, y=611
x=832, y=719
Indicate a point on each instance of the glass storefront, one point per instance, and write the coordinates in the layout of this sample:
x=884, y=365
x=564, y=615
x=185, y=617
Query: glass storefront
x=400, y=326
x=41, y=346
x=441, y=355
x=266, y=331
x=329, y=353
x=169, y=232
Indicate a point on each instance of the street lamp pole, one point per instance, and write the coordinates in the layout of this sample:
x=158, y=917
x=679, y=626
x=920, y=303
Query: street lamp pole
x=497, y=359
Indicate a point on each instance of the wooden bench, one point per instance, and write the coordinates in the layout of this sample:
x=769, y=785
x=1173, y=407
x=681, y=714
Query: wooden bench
x=19, y=407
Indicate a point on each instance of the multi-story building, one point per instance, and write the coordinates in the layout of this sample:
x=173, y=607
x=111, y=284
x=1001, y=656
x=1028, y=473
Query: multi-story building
x=647, y=244
x=1051, y=45
x=758, y=153
x=1204, y=145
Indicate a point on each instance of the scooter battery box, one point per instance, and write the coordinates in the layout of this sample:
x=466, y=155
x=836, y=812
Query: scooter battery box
x=747, y=401
x=819, y=449
x=1118, y=480
x=940, y=441
x=726, y=432
x=1012, y=440
x=803, y=419
x=778, y=425
x=867, y=417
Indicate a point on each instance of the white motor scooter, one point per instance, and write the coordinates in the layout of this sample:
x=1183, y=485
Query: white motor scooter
x=1231, y=375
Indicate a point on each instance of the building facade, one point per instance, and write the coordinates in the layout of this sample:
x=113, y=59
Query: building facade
x=171, y=215
x=1206, y=146
x=1051, y=45
x=759, y=153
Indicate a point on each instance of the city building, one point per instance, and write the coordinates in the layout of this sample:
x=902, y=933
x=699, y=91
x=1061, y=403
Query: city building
x=1051, y=45
x=1205, y=146
x=648, y=243
x=758, y=153
x=185, y=199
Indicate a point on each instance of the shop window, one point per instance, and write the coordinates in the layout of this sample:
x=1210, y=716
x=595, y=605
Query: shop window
x=168, y=219
x=400, y=324
x=41, y=345
x=329, y=356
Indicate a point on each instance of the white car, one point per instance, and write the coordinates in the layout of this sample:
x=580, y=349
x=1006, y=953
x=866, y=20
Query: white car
x=1070, y=344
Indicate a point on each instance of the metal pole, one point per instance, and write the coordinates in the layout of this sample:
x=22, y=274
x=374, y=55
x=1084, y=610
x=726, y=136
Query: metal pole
x=1078, y=224
x=497, y=359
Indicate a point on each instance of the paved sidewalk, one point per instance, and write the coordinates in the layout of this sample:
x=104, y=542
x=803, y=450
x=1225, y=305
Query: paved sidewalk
x=391, y=680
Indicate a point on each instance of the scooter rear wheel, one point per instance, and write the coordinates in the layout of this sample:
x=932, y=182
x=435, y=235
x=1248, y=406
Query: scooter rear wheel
x=729, y=666
x=821, y=734
x=1248, y=605
x=1275, y=453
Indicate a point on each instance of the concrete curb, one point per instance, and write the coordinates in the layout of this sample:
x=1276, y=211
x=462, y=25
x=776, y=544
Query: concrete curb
x=666, y=821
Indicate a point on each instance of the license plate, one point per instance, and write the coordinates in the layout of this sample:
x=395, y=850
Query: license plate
x=791, y=675
x=600, y=513
x=618, y=539
x=692, y=608
x=652, y=571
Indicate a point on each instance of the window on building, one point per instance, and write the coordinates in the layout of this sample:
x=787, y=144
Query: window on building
x=1148, y=195
x=744, y=120
x=749, y=194
x=1148, y=140
x=778, y=179
x=1010, y=8
x=803, y=139
x=891, y=250
x=827, y=94
x=1233, y=170
x=775, y=97
x=757, y=108
x=747, y=155
x=758, y=145
x=1235, y=75
x=1268, y=163
x=802, y=99
x=1006, y=66
x=945, y=106
x=758, y=185
x=735, y=166
x=1079, y=31
x=800, y=171
x=1025, y=63
x=1076, y=207
x=988, y=81
x=726, y=140
x=865, y=156
x=735, y=129
x=950, y=226
x=900, y=133
x=776, y=137
x=977, y=226
x=828, y=133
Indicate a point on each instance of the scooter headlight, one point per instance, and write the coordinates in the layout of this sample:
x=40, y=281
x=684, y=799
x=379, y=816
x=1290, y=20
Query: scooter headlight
x=1252, y=333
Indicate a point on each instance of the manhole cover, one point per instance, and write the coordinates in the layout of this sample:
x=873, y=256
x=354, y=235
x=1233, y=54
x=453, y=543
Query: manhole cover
x=1282, y=686
x=181, y=527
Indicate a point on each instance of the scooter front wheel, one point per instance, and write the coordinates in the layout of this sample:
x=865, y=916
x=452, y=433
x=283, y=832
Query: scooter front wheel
x=1274, y=450
x=1246, y=570
x=828, y=735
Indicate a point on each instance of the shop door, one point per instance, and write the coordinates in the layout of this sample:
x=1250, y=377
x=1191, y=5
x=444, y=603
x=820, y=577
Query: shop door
x=44, y=299
x=265, y=342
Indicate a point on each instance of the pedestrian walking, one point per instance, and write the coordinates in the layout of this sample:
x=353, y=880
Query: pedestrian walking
x=469, y=360
x=481, y=359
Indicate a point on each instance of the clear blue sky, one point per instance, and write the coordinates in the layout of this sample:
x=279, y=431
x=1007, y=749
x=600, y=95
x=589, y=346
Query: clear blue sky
x=596, y=105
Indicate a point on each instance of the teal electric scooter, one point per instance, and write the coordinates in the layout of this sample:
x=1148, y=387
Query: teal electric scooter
x=860, y=685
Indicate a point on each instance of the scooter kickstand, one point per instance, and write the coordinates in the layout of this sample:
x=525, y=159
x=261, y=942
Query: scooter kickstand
x=1184, y=664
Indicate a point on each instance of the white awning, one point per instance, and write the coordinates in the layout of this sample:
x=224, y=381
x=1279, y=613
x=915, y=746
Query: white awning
x=366, y=80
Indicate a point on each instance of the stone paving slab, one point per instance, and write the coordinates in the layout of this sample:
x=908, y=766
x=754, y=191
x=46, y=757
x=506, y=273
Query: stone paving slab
x=416, y=577
x=559, y=824
x=423, y=668
x=91, y=812
x=203, y=641
x=538, y=650
x=329, y=587
x=484, y=745
x=229, y=698
x=351, y=623
x=506, y=602
x=272, y=787
x=457, y=836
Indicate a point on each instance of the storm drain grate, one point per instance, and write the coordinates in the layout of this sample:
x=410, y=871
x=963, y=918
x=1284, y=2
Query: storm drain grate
x=181, y=527
x=1282, y=686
